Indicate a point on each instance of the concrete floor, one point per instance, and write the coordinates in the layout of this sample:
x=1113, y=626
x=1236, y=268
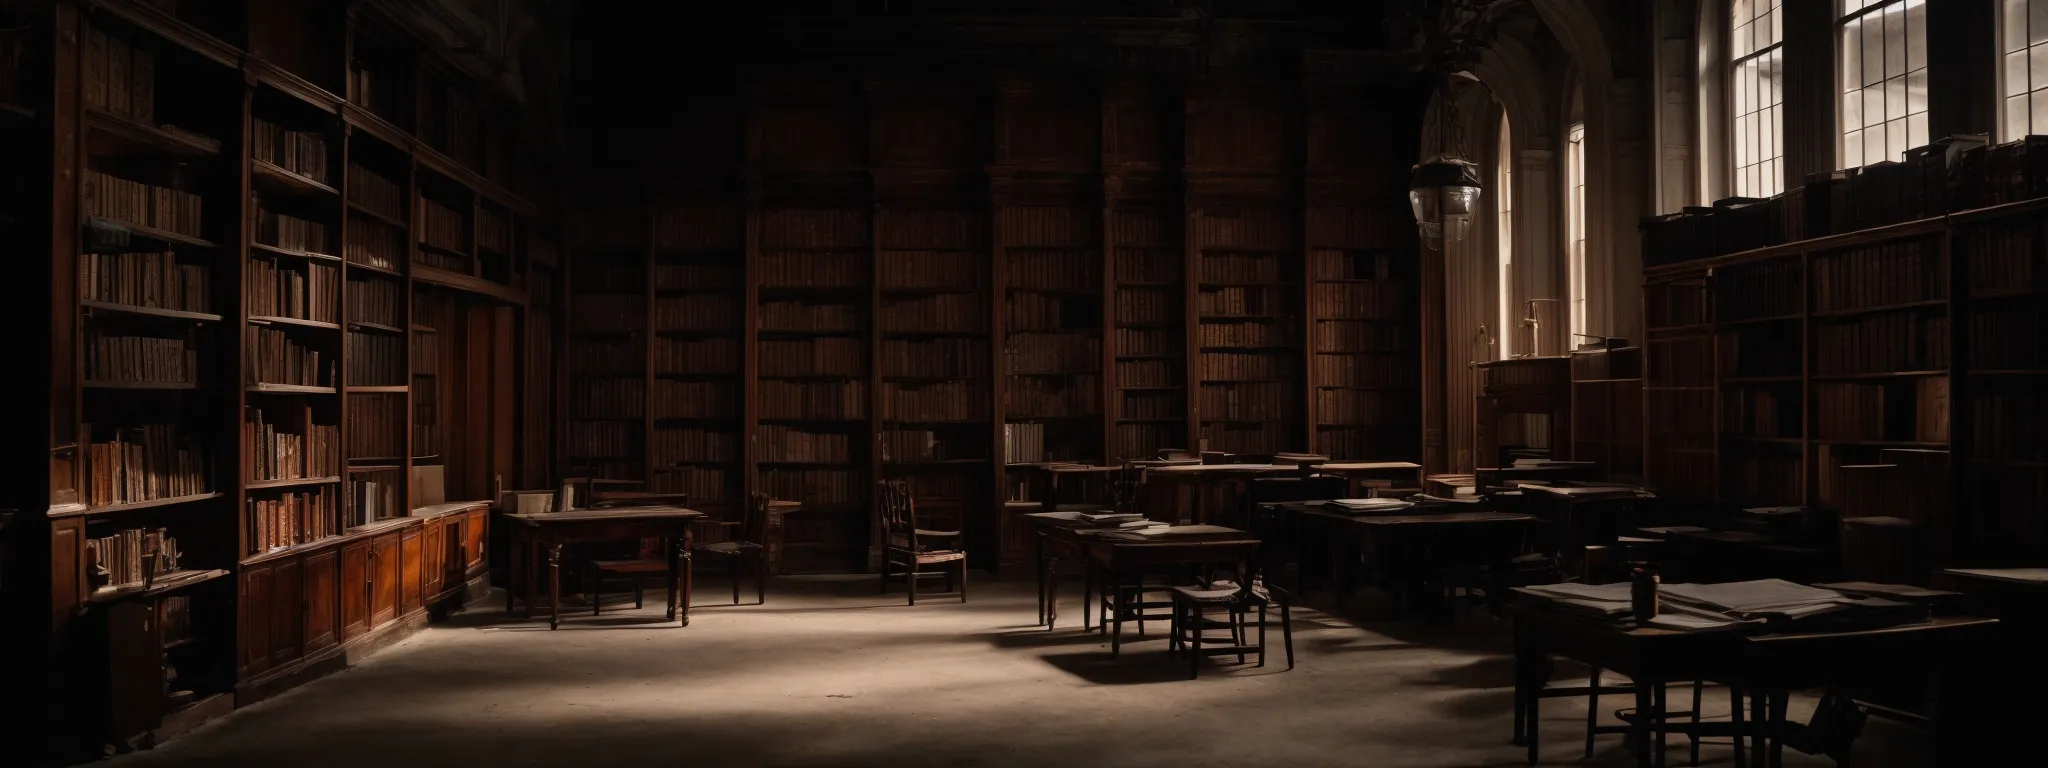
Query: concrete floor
x=830, y=674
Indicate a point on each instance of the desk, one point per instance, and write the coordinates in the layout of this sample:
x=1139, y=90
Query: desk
x=550, y=530
x=1363, y=470
x=1122, y=557
x=1412, y=546
x=1054, y=534
x=1202, y=477
x=1758, y=665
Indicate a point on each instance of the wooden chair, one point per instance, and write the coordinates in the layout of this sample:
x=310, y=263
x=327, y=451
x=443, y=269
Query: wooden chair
x=639, y=568
x=1280, y=539
x=1238, y=597
x=910, y=548
x=746, y=546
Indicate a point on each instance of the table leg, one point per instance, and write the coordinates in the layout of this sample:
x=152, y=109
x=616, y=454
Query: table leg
x=1116, y=613
x=1657, y=725
x=1779, y=699
x=512, y=571
x=532, y=565
x=1089, y=605
x=1038, y=552
x=1052, y=591
x=554, y=585
x=1760, y=729
x=1640, y=728
x=683, y=593
x=1735, y=697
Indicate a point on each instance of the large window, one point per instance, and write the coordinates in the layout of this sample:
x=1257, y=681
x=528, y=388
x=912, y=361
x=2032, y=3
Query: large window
x=1504, y=235
x=2023, y=71
x=1884, y=79
x=1575, y=188
x=1756, y=51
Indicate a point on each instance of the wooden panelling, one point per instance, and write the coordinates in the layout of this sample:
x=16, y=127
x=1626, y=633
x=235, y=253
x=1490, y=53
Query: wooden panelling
x=923, y=124
x=383, y=579
x=410, y=557
x=475, y=532
x=320, y=577
x=355, y=590
x=257, y=598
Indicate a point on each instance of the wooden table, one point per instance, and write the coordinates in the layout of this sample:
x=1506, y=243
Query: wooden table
x=1457, y=527
x=548, y=531
x=1058, y=533
x=1118, y=558
x=1761, y=666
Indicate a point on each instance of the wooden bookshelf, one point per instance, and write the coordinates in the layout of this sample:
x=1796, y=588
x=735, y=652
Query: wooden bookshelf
x=247, y=238
x=605, y=432
x=1248, y=338
x=699, y=301
x=1149, y=335
x=933, y=361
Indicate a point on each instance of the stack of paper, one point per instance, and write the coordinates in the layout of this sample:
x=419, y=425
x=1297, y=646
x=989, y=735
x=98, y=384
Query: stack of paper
x=1111, y=517
x=1360, y=506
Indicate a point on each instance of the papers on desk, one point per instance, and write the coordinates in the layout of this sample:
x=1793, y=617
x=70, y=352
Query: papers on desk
x=1772, y=603
x=1110, y=517
x=1167, y=532
x=1434, y=499
x=1365, y=506
x=2035, y=576
x=1069, y=516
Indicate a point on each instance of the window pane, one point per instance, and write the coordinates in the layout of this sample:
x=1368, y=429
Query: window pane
x=1916, y=34
x=1916, y=92
x=1773, y=78
x=2037, y=22
x=1852, y=110
x=1873, y=49
x=1852, y=56
x=1916, y=130
x=2015, y=117
x=1894, y=40
x=2040, y=125
x=1777, y=27
x=1894, y=141
x=2037, y=66
x=1738, y=41
x=2040, y=106
x=1873, y=107
x=2014, y=24
x=2015, y=73
x=1852, y=148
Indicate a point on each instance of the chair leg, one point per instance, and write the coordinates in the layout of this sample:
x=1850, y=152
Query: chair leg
x=1262, y=635
x=761, y=576
x=882, y=585
x=1592, y=710
x=1116, y=614
x=963, y=579
x=639, y=592
x=910, y=581
x=1693, y=736
x=735, y=559
x=1287, y=633
x=1195, y=650
x=596, y=590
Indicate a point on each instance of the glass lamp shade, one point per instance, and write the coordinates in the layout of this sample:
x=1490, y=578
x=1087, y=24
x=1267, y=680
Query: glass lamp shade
x=1444, y=194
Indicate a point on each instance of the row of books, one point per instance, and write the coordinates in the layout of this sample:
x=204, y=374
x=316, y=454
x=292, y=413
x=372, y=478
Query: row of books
x=1350, y=406
x=1769, y=412
x=277, y=454
x=1675, y=303
x=1913, y=409
x=130, y=556
x=376, y=359
x=1364, y=371
x=442, y=226
x=1023, y=443
x=1147, y=373
x=697, y=229
x=2007, y=337
x=1883, y=343
x=290, y=233
x=376, y=426
x=1052, y=353
x=1052, y=270
x=1148, y=341
x=1358, y=336
x=1239, y=301
x=1249, y=402
x=2009, y=423
x=703, y=484
x=1239, y=366
x=694, y=275
x=1146, y=265
x=426, y=358
x=953, y=312
x=2003, y=259
x=1354, y=264
x=143, y=463
x=1682, y=362
x=1139, y=441
x=696, y=399
x=1880, y=275
x=697, y=311
x=928, y=487
x=300, y=291
x=1242, y=268
x=812, y=269
x=152, y=280
x=794, y=445
x=494, y=231
x=945, y=230
x=1345, y=442
x=716, y=355
x=1760, y=350
x=802, y=316
x=277, y=358
x=118, y=77
x=112, y=197
x=607, y=356
x=426, y=420
x=1390, y=300
x=915, y=445
x=1036, y=397
x=933, y=270
x=1027, y=311
x=935, y=358
x=371, y=243
x=602, y=439
x=1772, y=478
x=1148, y=305
x=1238, y=437
x=615, y=314
x=376, y=497
x=375, y=301
x=1152, y=405
x=1243, y=335
x=291, y=519
x=375, y=193
x=829, y=356
x=172, y=359
x=676, y=446
x=820, y=400
x=451, y=122
x=944, y=401
x=816, y=487
x=301, y=152
x=593, y=276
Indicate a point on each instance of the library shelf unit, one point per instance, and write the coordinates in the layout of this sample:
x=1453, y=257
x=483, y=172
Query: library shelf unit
x=1886, y=373
x=927, y=265
x=234, y=353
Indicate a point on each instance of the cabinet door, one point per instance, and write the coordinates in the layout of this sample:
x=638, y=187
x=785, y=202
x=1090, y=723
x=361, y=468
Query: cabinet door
x=431, y=560
x=135, y=669
x=355, y=590
x=254, y=654
x=318, y=577
x=409, y=571
x=287, y=612
x=383, y=579
x=474, y=534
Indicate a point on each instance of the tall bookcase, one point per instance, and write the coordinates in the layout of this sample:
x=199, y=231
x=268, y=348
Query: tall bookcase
x=235, y=362
x=700, y=289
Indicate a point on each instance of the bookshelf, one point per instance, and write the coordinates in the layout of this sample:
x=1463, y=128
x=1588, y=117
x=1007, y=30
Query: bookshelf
x=605, y=432
x=1149, y=333
x=1869, y=347
x=933, y=369
x=1052, y=326
x=700, y=289
x=1248, y=336
x=234, y=356
x=1363, y=329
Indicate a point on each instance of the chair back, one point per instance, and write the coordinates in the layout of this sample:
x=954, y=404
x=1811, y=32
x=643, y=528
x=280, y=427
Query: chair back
x=754, y=525
x=896, y=513
x=1126, y=487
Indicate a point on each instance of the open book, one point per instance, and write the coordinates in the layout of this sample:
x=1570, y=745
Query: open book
x=1367, y=505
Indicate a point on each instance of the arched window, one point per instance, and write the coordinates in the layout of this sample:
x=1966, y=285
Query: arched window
x=1504, y=240
x=1884, y=79
x=1575, y=235
x=1757, y=77
x=2023, y=68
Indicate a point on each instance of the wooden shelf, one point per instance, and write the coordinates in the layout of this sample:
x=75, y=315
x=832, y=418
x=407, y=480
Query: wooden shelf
x=260, y=248
x=166, y=237
x=133, y=138
x=274, y=179
x=108, y=509
x=166, y=385
x=359, y=325
x=168, y=314
x=289, y=389
x=293, y=321
x=294, y=483
x=375, y=270
x=163, y=584
x=386, y=389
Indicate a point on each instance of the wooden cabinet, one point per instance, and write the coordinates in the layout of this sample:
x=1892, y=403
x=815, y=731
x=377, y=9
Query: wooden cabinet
x=433, y=559
x=287, y=612
x=355, y=590
x=475, y=534
x=409, y=571
x=383, y=579
x=272, y=605
x=320, y=577
x=253, y=658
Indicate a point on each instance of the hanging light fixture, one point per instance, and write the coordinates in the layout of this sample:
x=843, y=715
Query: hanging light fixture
x=1444, y=190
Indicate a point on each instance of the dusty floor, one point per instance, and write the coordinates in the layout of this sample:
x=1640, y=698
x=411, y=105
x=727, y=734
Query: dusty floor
x=830, y=674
